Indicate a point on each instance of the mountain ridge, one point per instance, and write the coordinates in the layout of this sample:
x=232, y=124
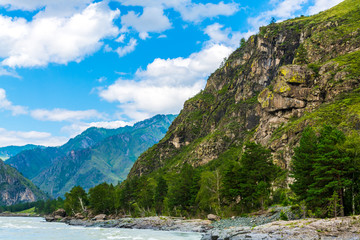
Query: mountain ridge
x=95, y=156
x=15, y=188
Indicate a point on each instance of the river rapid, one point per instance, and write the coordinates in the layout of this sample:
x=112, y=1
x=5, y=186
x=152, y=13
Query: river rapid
x=28, y=228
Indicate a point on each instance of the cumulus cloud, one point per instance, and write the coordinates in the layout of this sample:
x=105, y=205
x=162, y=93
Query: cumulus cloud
x=151, y=20
x=59, y=115
x=5, y=104
x=77, y=128
x=52, y=7
x=165, y=84
x=321, y=5
x=189, y=11
x=198, y=12
x=284, y=9
x=19, y=138
x=130, y=47
x=226, y=36
x=55, y=39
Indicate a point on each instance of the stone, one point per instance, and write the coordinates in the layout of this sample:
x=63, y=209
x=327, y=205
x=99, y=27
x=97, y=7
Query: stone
x=60, y=212
x=79, y=216
x=213, y=217
x=49, y=218
x=100, y=217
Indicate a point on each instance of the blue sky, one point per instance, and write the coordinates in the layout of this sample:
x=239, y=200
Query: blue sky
x=71, y=64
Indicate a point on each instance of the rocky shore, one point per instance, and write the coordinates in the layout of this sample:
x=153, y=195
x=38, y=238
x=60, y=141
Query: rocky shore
x=262, y=225
x=155, y=223
x=304, y=229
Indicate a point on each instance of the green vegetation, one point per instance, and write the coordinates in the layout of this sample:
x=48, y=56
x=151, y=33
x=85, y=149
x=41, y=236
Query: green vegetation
x=326, y=169
x=190, y=192
x=32, y=208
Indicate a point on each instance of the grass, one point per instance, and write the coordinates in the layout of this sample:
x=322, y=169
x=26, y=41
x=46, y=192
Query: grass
x=29, y=211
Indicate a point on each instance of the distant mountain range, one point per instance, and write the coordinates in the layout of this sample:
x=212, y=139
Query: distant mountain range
x=97, y=155
x=10, y=151
x=15, y=188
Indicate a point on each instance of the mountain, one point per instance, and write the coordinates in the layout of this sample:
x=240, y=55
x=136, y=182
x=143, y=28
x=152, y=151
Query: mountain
x=10, y=151
x=292, y=74
x=95, y=156
x=15, y=188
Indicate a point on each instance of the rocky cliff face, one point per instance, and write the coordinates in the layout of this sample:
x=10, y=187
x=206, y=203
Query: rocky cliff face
x=268, y=90
x=14, y=188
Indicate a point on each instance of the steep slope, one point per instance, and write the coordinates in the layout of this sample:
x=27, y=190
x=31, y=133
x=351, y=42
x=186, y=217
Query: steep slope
x=282, y=79
x=109, y=158
x=10, y=151
x=32, y=162
x=14, y=188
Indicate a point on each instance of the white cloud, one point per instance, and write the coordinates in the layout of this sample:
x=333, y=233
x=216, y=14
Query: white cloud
x=226, y=36
x=5, y=104
x=10, y=73
x=101, y=79
x=198, y=12
x=52, y=7
x=59, y=115
x=284, y=9
x=55, y=39
x=19, y=138
x=130, y=47
x=121, y=38
x=144, y=35
x=165, y=84
x=321, y=5
x=151, y=20
x=77, y=128
x=189, y=11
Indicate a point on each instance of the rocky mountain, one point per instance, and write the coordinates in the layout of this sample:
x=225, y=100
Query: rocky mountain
x=304, y=71
x=15, y=188
x=10, y=151
x=95, y=156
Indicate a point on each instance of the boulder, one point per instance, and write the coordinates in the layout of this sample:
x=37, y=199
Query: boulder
x=213, y=217
x=79, y=216
x=60, y=212
x=49, y=218
x=99, y=217
x=58, y=217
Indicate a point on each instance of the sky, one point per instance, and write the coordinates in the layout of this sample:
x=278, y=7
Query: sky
x=72, y=64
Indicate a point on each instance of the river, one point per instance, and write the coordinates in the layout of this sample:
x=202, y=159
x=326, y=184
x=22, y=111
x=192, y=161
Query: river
x=29, y=228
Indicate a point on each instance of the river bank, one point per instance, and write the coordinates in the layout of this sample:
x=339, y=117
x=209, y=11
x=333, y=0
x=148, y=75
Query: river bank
x=161, y=223
x=259, y=226
x=10, y=214
x=304, y=229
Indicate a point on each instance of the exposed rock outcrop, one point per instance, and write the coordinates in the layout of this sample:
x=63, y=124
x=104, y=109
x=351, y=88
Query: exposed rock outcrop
x=15, y=188
x=286, y=71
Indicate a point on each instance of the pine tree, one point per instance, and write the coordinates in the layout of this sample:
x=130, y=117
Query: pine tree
x=160, y=194
x=322, y=167
x=302, y=163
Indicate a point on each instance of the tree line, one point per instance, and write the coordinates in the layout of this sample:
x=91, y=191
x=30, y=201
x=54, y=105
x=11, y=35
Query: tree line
x=324, y=175
x=324, y=171
x=237, y=187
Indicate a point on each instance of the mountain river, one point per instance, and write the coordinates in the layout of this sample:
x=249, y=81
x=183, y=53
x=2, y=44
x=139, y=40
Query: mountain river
x=29, y=228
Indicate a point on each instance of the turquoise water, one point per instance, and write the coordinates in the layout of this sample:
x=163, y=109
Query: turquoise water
x=21, y=228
